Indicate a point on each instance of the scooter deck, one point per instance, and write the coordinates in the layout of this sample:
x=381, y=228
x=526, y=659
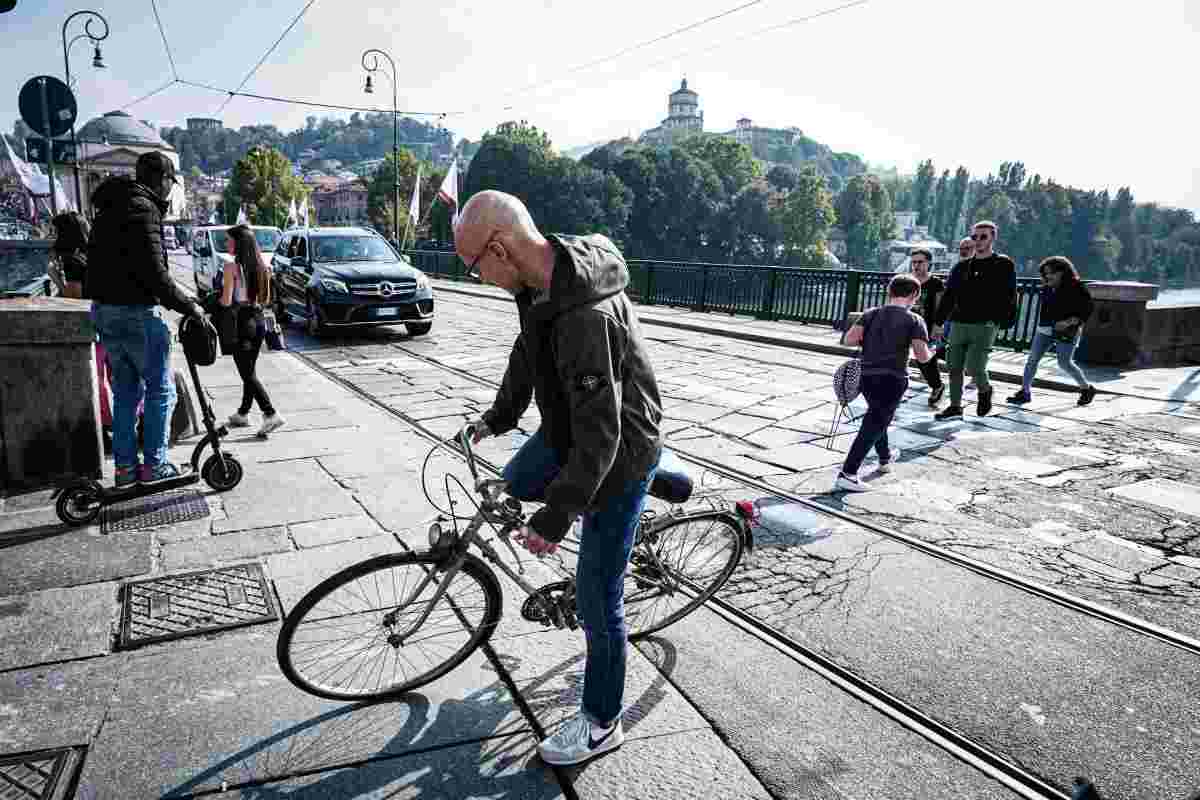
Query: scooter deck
x=114, y=495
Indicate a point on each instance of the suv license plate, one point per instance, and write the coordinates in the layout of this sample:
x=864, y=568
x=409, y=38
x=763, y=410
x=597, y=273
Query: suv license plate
x=386, y=312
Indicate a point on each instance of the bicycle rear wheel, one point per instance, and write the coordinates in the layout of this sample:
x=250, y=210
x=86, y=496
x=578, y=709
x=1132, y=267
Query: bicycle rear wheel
x=341, y=640
x=677, y=567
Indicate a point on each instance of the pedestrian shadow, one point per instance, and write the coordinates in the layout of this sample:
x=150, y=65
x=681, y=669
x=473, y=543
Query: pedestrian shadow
x=330, y=755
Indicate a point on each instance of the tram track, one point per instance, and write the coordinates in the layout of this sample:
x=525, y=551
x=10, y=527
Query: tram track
x=1005, y=771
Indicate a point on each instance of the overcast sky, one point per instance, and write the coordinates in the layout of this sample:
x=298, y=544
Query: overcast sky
x=1093, y=94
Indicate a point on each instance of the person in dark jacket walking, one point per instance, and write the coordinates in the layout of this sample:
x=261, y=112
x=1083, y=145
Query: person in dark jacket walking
x=128, y=279
x=980, y=300
x=1066, y=305
x=926, y=305
x=581, y=356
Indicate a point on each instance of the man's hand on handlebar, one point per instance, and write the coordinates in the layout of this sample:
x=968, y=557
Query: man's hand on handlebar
x=478, y=431
x=534, y=543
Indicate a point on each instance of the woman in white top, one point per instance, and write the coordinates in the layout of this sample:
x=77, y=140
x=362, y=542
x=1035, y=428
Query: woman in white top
x=247, y=282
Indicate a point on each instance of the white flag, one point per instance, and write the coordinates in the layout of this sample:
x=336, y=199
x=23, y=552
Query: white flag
x=304, y=212
x=292, y=213
x=448, y=194
x=241, y=220
x=35, y=181
x=212, y=218
x=414, y=208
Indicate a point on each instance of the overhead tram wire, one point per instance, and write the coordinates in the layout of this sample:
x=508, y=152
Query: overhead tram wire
x=163, y=33
x=707, y=48
x=632, y=48
x=266, y=55
x=148, y=95
x=314, y=103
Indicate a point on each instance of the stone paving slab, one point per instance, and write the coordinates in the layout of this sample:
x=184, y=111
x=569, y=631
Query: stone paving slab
x=224, y=548
x=1183, y=498
x=331, y=531
x=312, y=495
x=799, y=456
x=192, y=714
x=769, y=705
x=504, y=767
x=57, y=624
x=62, y=557
x=56, y=705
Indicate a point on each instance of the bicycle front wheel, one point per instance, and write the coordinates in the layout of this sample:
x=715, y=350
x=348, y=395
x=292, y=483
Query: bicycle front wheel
x=348, y=638
x=675, y=568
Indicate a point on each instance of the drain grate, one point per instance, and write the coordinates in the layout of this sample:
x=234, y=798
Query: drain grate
x=161, y=609
x=39, y=775
x=154, y=510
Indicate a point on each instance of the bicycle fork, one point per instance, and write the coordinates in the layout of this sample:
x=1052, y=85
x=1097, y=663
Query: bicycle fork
x=397, y=639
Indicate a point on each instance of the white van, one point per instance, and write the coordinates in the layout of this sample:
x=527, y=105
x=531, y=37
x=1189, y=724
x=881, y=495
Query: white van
x=210, y=251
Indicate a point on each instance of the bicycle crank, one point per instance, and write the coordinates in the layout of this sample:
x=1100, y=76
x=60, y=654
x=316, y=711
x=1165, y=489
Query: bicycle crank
x=553, y=605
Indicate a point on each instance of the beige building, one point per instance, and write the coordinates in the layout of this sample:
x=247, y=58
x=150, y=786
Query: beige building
x=342, y=204
x=110, y=145
x=684, y=118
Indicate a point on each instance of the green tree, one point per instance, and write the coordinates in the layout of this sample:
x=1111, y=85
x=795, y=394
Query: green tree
x=381, y=192
x=923, y=192
x=941, y=204
x=262, y=183
x=804, y=218
x=958, y=200
x=781, y=176
x=733, y=161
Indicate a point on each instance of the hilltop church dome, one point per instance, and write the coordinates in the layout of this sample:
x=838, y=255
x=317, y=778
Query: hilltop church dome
x=120, y=128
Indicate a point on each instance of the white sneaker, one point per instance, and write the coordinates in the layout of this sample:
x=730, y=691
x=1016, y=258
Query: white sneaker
x=849, y=483
x=271, y=423
x=238, y=421
x=578, y=740
x=886, y=466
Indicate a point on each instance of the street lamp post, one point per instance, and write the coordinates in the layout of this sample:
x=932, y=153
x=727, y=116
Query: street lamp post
x=373, y=67
x=97, y=61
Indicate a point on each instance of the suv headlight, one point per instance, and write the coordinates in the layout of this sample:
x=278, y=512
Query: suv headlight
x=331, y=285
x=422, y=281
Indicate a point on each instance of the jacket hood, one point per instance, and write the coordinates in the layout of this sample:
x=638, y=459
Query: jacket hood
x=118, y=191
x=592, y=270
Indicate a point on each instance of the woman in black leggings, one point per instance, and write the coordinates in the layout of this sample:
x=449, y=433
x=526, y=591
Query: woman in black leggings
x=246, y=282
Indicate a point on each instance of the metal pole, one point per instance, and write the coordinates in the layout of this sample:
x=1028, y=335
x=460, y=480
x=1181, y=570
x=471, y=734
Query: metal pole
x=87, y=27
x=49, y=147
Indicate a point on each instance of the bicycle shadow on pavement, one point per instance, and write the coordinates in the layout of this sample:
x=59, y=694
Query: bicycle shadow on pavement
x=326, y=756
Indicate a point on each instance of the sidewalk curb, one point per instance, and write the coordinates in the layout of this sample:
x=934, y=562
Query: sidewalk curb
x=827, y=349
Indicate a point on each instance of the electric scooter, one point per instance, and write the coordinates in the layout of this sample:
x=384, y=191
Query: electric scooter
x=79, y=503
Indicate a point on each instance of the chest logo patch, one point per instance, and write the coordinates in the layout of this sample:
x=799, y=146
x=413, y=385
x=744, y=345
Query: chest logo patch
x=589, y=382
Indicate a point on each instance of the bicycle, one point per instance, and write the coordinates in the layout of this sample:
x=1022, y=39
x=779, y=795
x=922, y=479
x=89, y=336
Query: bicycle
x=396, y=622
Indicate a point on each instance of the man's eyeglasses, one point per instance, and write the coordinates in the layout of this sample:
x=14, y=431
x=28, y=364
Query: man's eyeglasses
x=473, y=269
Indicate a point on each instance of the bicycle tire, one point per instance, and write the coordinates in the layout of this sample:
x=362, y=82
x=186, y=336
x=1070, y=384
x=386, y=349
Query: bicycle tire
x=701, y=587
x=302, y=674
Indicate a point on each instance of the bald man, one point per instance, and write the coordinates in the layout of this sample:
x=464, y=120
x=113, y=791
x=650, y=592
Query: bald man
x=580, y=355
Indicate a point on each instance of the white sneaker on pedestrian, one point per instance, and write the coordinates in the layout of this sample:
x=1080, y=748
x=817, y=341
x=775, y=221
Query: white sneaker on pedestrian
x=886, y=466
x=849, y=483
x=271, y=423
x=238, y=421
x=578, y=740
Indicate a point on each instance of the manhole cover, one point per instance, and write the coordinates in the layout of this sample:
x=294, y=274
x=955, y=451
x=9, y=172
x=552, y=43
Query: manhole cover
x=154, y=510
x=161, y=609
x=41, y=774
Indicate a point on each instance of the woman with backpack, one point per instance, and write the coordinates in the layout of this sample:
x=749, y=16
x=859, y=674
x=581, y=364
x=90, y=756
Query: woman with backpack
x=1066, y=305
x=246, y=291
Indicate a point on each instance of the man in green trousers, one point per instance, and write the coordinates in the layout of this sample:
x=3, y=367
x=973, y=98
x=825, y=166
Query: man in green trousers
x=981, y=300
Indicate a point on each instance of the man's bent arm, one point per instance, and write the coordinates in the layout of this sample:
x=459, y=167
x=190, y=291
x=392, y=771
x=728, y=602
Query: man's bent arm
x=590, y=350
x=514, y=394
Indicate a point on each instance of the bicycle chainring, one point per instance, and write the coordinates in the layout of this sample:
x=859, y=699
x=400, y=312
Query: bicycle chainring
x=553, y=605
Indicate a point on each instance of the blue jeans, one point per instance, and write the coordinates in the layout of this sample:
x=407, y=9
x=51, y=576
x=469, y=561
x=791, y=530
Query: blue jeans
x=605, y=544
x=138, y=342
x=883, y=394
x=1066, y=360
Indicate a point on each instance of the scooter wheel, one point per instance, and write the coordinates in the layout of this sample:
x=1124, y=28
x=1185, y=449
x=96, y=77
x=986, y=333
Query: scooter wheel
x=79, y=504
x=222, y=480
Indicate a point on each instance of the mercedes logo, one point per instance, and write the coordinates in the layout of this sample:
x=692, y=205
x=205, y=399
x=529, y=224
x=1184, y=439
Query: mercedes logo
x=385, y=289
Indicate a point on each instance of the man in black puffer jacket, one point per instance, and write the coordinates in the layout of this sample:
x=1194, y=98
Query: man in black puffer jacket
x=128, y=279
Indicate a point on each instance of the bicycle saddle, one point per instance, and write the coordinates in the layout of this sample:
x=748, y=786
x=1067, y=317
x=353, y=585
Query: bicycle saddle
x=671, y=483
